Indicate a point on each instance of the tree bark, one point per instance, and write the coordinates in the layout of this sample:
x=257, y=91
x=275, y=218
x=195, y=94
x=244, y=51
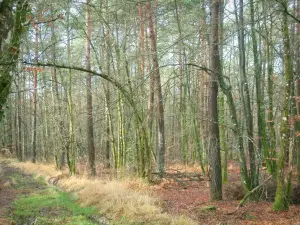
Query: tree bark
x=297, y=124
x=71, y=149
x=261, y=139
x=34, y=125
x=245, y=94
x=282, y=191
x=214, y=149
x=89, y=100
x=271, y=163
x=160, y=105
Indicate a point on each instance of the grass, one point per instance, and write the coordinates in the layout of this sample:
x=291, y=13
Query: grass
x=51, y=207
x=122, y=201
x=18, y=181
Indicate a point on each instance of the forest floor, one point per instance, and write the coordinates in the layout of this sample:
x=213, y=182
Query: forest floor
x=25, y=199
x=192, y=199
x=182, y=192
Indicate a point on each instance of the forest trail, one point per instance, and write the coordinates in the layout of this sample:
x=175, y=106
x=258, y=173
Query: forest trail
x=25, y=199
x=7, y=193
x=28, y=199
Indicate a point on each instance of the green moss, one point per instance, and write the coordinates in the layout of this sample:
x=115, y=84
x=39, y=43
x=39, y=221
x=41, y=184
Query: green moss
x=51, y=207
x=249, y=216
x=281, y=201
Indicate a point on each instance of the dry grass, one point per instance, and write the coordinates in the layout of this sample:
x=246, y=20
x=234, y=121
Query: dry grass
x=184, y=168
x=130, y=199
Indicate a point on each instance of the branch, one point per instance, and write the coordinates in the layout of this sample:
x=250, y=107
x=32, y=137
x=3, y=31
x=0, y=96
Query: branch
x=32, y=22
x=102, y=75
x=285, y=10
x=205, y=69
x=242, y=202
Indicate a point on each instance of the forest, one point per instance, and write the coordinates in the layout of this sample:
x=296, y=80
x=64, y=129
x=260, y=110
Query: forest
x=194, y=104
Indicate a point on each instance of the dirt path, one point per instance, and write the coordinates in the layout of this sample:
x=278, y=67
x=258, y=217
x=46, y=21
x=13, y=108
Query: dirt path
x=25, y=199
x=9, y=189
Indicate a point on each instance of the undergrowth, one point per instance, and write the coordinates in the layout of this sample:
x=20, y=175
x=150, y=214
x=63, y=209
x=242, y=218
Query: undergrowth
x=123, y=202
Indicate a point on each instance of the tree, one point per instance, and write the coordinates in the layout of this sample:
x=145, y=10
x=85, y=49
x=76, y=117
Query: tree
x=89, y=100
x=298, y=95
x=159, y=97
x=270, y=119
x=283, y=181
x=10, y=22
x=71, y=149
x=261, y=145
x=214, y=150
x=244, y=91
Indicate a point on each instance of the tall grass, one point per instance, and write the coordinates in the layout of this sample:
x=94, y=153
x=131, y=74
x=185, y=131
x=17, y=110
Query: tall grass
x=130, y=199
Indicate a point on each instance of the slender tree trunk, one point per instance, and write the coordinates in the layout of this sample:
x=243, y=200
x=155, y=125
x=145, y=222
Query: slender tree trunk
x=9, y=141
x=160, y=105
x=109, y=140
x=245, y=93
x=262, y=147
x=223, y=139
x=237, y=131
x=150, y=112
x=214, y=150
x=141, y=42
x=121, y=130
x=203, y=87
x=34, y=126
x=108, y=133
x=15, y=124
x=222, y=111
x=182, y=90
x=89, y=105
x=21, y=153
x=18, y=120
x=45, y=140
x=71, y=150
x=55, y=101
x=298, y=94
x=282, y=191
x=271, y=163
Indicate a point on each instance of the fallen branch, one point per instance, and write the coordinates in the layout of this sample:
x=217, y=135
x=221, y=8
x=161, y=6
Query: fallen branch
x=242, y=202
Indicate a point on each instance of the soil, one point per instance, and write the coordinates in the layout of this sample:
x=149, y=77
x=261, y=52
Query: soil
x=15, y=184
x=181, y=192
x=8, y=193
x=192, y=198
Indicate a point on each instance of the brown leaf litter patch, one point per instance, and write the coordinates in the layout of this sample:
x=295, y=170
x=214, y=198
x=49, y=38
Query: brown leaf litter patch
x=192, y=198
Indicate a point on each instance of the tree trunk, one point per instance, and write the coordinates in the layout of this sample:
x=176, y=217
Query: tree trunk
x=261, y=139
x=89, y=100
x=298, y=94
x=160, y=106
x=223, y=139
x=214, y=149
x=71, y=150
x=34, y=126
x=271, y=164
x=245, y=94
x=282, y=191
x=222, y=111
x=182, y=123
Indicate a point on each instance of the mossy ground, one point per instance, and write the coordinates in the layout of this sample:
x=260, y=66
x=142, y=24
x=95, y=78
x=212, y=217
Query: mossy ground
x=34, y=202
x=51, y=207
